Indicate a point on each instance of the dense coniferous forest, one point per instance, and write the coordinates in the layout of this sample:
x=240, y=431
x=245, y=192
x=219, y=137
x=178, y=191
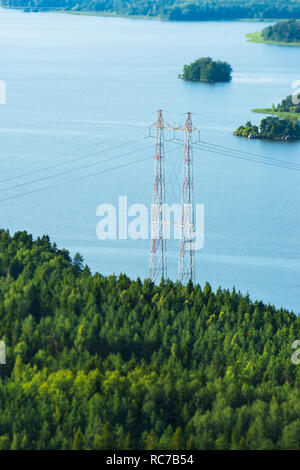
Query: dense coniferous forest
x=187, y=10
x=272, y=128
x=207, y=70
x=99, y=362
x=285, y=31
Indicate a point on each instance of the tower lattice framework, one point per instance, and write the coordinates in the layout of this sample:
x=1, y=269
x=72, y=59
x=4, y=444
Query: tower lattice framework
x=186, y=257
x=158, y=250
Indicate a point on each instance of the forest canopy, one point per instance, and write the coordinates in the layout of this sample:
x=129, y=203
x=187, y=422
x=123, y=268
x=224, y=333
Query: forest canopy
x=178, y=10
x=98, y=362
x=207, y=70
x=285, y=31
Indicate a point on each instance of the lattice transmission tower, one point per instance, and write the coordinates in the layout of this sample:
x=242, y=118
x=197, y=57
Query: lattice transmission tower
x=158, y=250
x=186, y=257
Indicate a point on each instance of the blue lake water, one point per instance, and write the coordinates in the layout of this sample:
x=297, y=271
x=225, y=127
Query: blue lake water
x=78, y=84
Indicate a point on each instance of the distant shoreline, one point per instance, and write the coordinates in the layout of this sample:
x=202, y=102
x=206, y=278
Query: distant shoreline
x=143, y=17
x=257, y=38
x=160, y=18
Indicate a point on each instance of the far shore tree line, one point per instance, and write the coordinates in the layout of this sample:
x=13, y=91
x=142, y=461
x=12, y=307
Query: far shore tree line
x=176, y=10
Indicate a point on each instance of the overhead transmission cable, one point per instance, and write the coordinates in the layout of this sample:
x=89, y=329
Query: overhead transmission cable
x=250, y=154
x=78, y=148
x=67, y=162
x=250, y=159
x=233, y=153
x=76, y=179
x=72, y=170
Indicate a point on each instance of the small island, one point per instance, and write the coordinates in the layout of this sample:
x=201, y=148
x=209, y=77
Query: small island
x=287, y=108
x=286, y=33
x=207, y=70
x=271, y=128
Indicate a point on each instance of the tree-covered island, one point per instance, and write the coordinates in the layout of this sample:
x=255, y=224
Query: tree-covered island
x=207, y=70
x=282, y=33
x=272, y=128
x=287, y=108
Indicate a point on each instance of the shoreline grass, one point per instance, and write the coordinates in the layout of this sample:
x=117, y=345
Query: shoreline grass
x=257, y=38
x=280, y=114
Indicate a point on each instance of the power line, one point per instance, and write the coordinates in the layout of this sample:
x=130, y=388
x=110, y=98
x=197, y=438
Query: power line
x=77, y=149
x=254, y=160
x=236, y=154
x=70, y=161
x=250, y=154
x=72, y=170
x=76, y=179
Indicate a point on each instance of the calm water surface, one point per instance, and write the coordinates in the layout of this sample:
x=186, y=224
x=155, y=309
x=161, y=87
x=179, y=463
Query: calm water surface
x=76, y=85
